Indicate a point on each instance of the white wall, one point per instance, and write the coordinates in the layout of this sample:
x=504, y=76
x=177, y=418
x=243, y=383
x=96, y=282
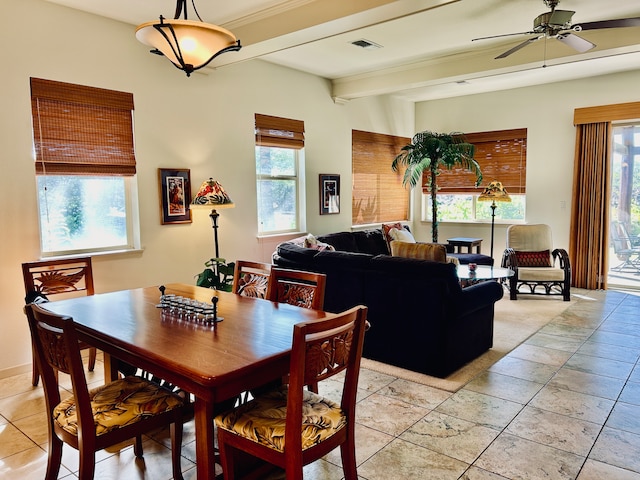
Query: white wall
x=203, y=123
x=546, y=112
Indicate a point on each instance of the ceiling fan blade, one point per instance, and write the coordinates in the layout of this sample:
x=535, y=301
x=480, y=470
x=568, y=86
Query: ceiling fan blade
x=503, y=35
x=518, y=47
x=617, y=23
x=574, y=41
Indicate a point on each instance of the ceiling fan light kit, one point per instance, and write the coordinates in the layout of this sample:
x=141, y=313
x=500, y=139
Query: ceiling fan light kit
x=190, y=45
x=557, y=24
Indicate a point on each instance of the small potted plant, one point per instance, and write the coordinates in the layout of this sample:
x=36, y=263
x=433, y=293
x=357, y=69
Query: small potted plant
x=217, y=275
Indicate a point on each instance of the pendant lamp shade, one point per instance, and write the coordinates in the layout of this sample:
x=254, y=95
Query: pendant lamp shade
x=188, y=44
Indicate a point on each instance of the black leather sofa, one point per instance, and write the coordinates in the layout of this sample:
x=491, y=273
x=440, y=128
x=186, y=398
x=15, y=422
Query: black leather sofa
x=421, y=319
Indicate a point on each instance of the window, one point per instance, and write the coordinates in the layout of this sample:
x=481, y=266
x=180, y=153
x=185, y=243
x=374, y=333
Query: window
x=85, y=168
x=502, y=156
x=279, y=170
x=377, y=194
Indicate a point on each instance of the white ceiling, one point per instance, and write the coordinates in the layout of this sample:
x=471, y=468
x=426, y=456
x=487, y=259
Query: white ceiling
x=427, y=49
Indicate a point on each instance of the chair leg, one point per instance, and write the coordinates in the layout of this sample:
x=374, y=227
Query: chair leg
x=87, y=463
x=137, y=447
x=92, y=358
x=176, y=446
x=35, y=373
x=348, y=454
x=313, y=387
x=55, y=457
x=226, y=457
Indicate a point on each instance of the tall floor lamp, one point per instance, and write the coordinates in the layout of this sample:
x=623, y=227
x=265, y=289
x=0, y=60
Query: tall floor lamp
x=212, y=195
x=494, y=192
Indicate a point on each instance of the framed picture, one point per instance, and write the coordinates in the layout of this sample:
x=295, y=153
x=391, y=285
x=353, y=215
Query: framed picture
x=329, y=194
x=175, y=195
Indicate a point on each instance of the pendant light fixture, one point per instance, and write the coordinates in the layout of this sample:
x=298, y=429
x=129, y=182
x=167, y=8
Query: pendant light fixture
x=188, y=44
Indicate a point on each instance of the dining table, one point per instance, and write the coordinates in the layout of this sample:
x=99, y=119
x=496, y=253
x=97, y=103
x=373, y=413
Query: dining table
x=249, y=347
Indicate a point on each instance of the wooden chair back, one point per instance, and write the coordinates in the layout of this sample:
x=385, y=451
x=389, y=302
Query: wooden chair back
x=251, y=279
x=303, y=289
x=63, y=278
x=57, y=349
x=320, y=350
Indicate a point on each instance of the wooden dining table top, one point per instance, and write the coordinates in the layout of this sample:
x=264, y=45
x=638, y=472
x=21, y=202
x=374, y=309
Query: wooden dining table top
x=248, y=348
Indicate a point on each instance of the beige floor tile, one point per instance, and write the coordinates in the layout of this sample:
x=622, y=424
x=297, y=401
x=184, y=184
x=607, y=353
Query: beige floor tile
x=631, y=393
x=16, y=384
x=415, y=393
x=368, y=443
x=451, y=436
x=556, y=342
x=589, y=383
x=13, y=441
x=373, y=381
x=600, y=366
x=625, y=417
x=388, y=415
x=593, y=470
x=618, y=448
x=402, y=460
x=30, y=464
x=569, y=331
x=577, y=405
x=517, y=458
x=547, y=356
x=613, y=338
x=480, y=408
x=35, y=427
x=555, y=430
x=475, y=473
x=524, y=369
x=504, y=386
x=614, y=352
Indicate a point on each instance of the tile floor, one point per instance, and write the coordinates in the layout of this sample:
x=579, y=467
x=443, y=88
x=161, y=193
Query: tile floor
x=563, y=405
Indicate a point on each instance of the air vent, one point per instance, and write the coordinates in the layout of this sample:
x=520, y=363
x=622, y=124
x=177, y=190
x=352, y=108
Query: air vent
x=366, y=44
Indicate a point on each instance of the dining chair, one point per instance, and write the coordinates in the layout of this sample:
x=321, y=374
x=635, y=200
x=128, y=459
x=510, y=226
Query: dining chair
x=92, y=420
x=250, y=279
x=63, y=278
x=308, y=424
x=296, y=287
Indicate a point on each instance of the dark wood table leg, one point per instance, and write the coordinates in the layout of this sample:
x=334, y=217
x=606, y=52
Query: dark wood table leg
x=205, y=457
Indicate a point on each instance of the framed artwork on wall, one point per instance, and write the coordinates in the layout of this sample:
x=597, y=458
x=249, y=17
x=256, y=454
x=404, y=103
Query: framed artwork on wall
x=329, y=194
x=175, y=195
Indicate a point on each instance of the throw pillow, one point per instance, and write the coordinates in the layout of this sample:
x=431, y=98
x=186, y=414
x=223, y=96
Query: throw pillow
x=534, y=259
x=401, y=235
x=312, y=242
x=386, y=228
x=433, y=252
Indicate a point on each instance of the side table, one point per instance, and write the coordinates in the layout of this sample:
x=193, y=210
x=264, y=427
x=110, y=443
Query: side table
x=459, y=242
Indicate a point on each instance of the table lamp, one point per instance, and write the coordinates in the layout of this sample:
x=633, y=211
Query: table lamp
x=494, y=192
x=212, y=194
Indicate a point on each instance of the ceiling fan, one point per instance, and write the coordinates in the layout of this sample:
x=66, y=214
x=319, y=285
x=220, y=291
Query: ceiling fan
x=557, y=24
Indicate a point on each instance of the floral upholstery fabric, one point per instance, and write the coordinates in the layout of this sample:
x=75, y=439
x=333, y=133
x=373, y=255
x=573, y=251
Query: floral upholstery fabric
x=534, y=259
x=118, y=403
x=263, y=419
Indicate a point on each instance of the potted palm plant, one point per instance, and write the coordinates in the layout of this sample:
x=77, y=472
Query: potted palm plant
x=430, y=151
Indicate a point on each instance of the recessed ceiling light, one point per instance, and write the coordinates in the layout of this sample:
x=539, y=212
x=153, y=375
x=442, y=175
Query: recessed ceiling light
x=366, y=44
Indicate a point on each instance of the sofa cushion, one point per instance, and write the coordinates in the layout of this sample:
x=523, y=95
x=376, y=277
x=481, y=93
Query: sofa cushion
x=370, y=241
x=422, y=251
x=312, y=242
x=341, y=241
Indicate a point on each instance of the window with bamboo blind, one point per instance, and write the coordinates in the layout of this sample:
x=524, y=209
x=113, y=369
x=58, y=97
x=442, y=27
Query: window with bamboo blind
x=85, y=168
x=377, y=193
x=502, y=155
x=279, y=157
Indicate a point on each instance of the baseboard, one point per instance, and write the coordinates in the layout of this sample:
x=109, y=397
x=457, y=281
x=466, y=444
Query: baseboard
x=17, y=370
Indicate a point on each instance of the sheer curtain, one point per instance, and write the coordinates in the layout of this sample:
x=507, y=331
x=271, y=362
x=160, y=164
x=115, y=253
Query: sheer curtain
x=588, y=245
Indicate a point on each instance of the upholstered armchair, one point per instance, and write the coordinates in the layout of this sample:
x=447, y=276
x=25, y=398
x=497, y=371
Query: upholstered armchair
x=539, y=268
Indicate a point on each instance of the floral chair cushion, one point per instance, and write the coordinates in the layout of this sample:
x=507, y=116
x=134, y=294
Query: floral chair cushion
x=253, y=285
x=263, y=419
x=118, y=403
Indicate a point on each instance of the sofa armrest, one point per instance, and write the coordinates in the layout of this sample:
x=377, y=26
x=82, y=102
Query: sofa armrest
x=477, y=297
